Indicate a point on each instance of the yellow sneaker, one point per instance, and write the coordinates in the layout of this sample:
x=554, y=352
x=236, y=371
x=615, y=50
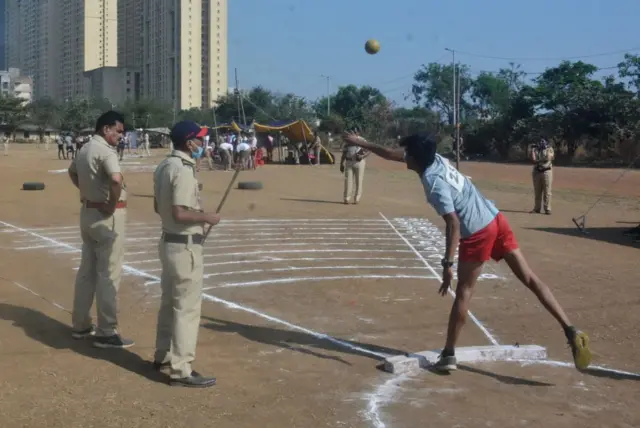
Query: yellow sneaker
x=579, y=343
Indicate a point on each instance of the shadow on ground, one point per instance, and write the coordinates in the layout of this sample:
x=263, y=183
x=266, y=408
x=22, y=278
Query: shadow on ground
x=56, y=335
x=613, y=235
x=297, y=341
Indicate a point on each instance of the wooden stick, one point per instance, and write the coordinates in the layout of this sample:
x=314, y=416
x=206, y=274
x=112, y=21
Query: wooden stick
x=224, y=198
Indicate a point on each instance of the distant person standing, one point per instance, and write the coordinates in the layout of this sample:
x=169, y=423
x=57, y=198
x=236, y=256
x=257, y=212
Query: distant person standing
x=121, y=143
x=243, y=150
x=61, y=152
x=177, y=201
x=542, y=156
x=315, y=147
x=147, y=144
x=353, y=164
x=97, y=174
x=5, y=143
x=71, y=149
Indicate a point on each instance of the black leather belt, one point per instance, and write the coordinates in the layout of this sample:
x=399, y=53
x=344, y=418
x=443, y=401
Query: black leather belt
x=173, y=238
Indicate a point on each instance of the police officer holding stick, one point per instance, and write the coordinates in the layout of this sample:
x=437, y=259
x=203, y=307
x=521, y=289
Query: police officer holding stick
x=177, y=201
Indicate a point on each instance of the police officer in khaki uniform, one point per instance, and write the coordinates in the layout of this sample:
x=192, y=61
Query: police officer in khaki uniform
x=177, y=201
x=542, y=156
x=96, y=172
x=353, y=165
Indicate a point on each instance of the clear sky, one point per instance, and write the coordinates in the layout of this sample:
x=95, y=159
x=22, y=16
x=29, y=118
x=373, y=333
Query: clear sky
x=286, y=45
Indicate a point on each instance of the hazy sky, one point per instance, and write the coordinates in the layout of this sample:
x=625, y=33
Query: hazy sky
x=286, y=45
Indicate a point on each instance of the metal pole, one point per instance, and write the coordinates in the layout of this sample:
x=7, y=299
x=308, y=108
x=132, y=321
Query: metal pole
x=458, y=124
x=328, y=94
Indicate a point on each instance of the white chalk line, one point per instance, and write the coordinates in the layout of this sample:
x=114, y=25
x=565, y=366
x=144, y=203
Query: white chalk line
x=312, y=279
x=220, y=235
x=374, y=402
x=282, y=224
x=451, y=292
x=572, y=365
x=305, y=268
x=307, y=250
x=215, y=245
x=383, y=394
x=296, y=259
x=227, y=303
x=249, y=230
x=25, y=288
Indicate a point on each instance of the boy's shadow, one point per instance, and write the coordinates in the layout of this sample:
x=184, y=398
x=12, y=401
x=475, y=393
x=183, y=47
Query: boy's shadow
x=56, y=335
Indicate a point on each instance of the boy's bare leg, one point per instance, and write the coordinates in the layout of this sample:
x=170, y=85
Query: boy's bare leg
x=578, y=340
x=523, y=272
x=468, y=273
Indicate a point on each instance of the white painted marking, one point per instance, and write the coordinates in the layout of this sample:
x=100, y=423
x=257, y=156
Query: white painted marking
x=287, y=260
x=433, y=271
x=57, y=305
x=313, y=278
x=572, y=365
x=305, y=268
x=252, y=253
x=384, y=393
x=146, y=230
x=228, y=304
x=58, y=171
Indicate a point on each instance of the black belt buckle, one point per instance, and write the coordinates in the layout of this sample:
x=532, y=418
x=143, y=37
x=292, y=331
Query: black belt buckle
x=173, y=238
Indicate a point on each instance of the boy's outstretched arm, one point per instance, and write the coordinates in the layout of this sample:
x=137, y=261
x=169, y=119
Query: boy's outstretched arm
x=384, y=152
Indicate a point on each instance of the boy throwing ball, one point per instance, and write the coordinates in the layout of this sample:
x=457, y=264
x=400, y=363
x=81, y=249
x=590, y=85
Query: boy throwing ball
x=479, y=230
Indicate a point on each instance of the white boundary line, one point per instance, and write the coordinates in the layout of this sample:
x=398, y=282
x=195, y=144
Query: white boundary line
x=312, y=278
x=437, y=275
x=251, y=253
x=295, y=259
x=227, y=303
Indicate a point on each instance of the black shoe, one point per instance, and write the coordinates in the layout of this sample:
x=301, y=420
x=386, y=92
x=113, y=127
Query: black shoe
x=113, y=341
x=196, y=380
x=158, y=366
x=83, y=334
x=534, y=212
x=547, y=212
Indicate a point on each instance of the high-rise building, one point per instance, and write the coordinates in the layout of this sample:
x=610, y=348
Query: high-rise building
x=3, y=36
x=184, y=50
x=57, y=41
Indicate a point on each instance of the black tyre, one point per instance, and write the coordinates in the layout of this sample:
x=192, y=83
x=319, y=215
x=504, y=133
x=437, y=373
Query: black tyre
x=250, y=185
x=33, y=186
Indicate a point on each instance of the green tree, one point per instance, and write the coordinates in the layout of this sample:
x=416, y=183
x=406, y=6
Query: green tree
x=44, y=113
x=351, y=103
x=433, y=89
x=13, y=113
x=630, y=69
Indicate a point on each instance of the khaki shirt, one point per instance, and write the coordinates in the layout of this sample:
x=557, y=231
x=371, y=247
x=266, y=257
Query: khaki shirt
x=544, y=158
x=175, y=183
x=94, y=165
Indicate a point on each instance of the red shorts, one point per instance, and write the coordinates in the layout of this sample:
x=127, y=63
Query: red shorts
x=493, y=242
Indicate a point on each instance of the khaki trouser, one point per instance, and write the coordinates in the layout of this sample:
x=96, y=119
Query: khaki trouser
x=100, y=269
x=6, y=148
x=147, y=146
x=353, y=170
x=542, y=187
x=179, y=315
x=243, y=158
x=227, y=159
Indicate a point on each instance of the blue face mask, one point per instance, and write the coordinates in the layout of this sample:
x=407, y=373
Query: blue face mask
x=197, y=154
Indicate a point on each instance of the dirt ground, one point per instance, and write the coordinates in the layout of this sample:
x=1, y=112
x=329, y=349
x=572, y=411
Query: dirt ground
x=305, y=295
